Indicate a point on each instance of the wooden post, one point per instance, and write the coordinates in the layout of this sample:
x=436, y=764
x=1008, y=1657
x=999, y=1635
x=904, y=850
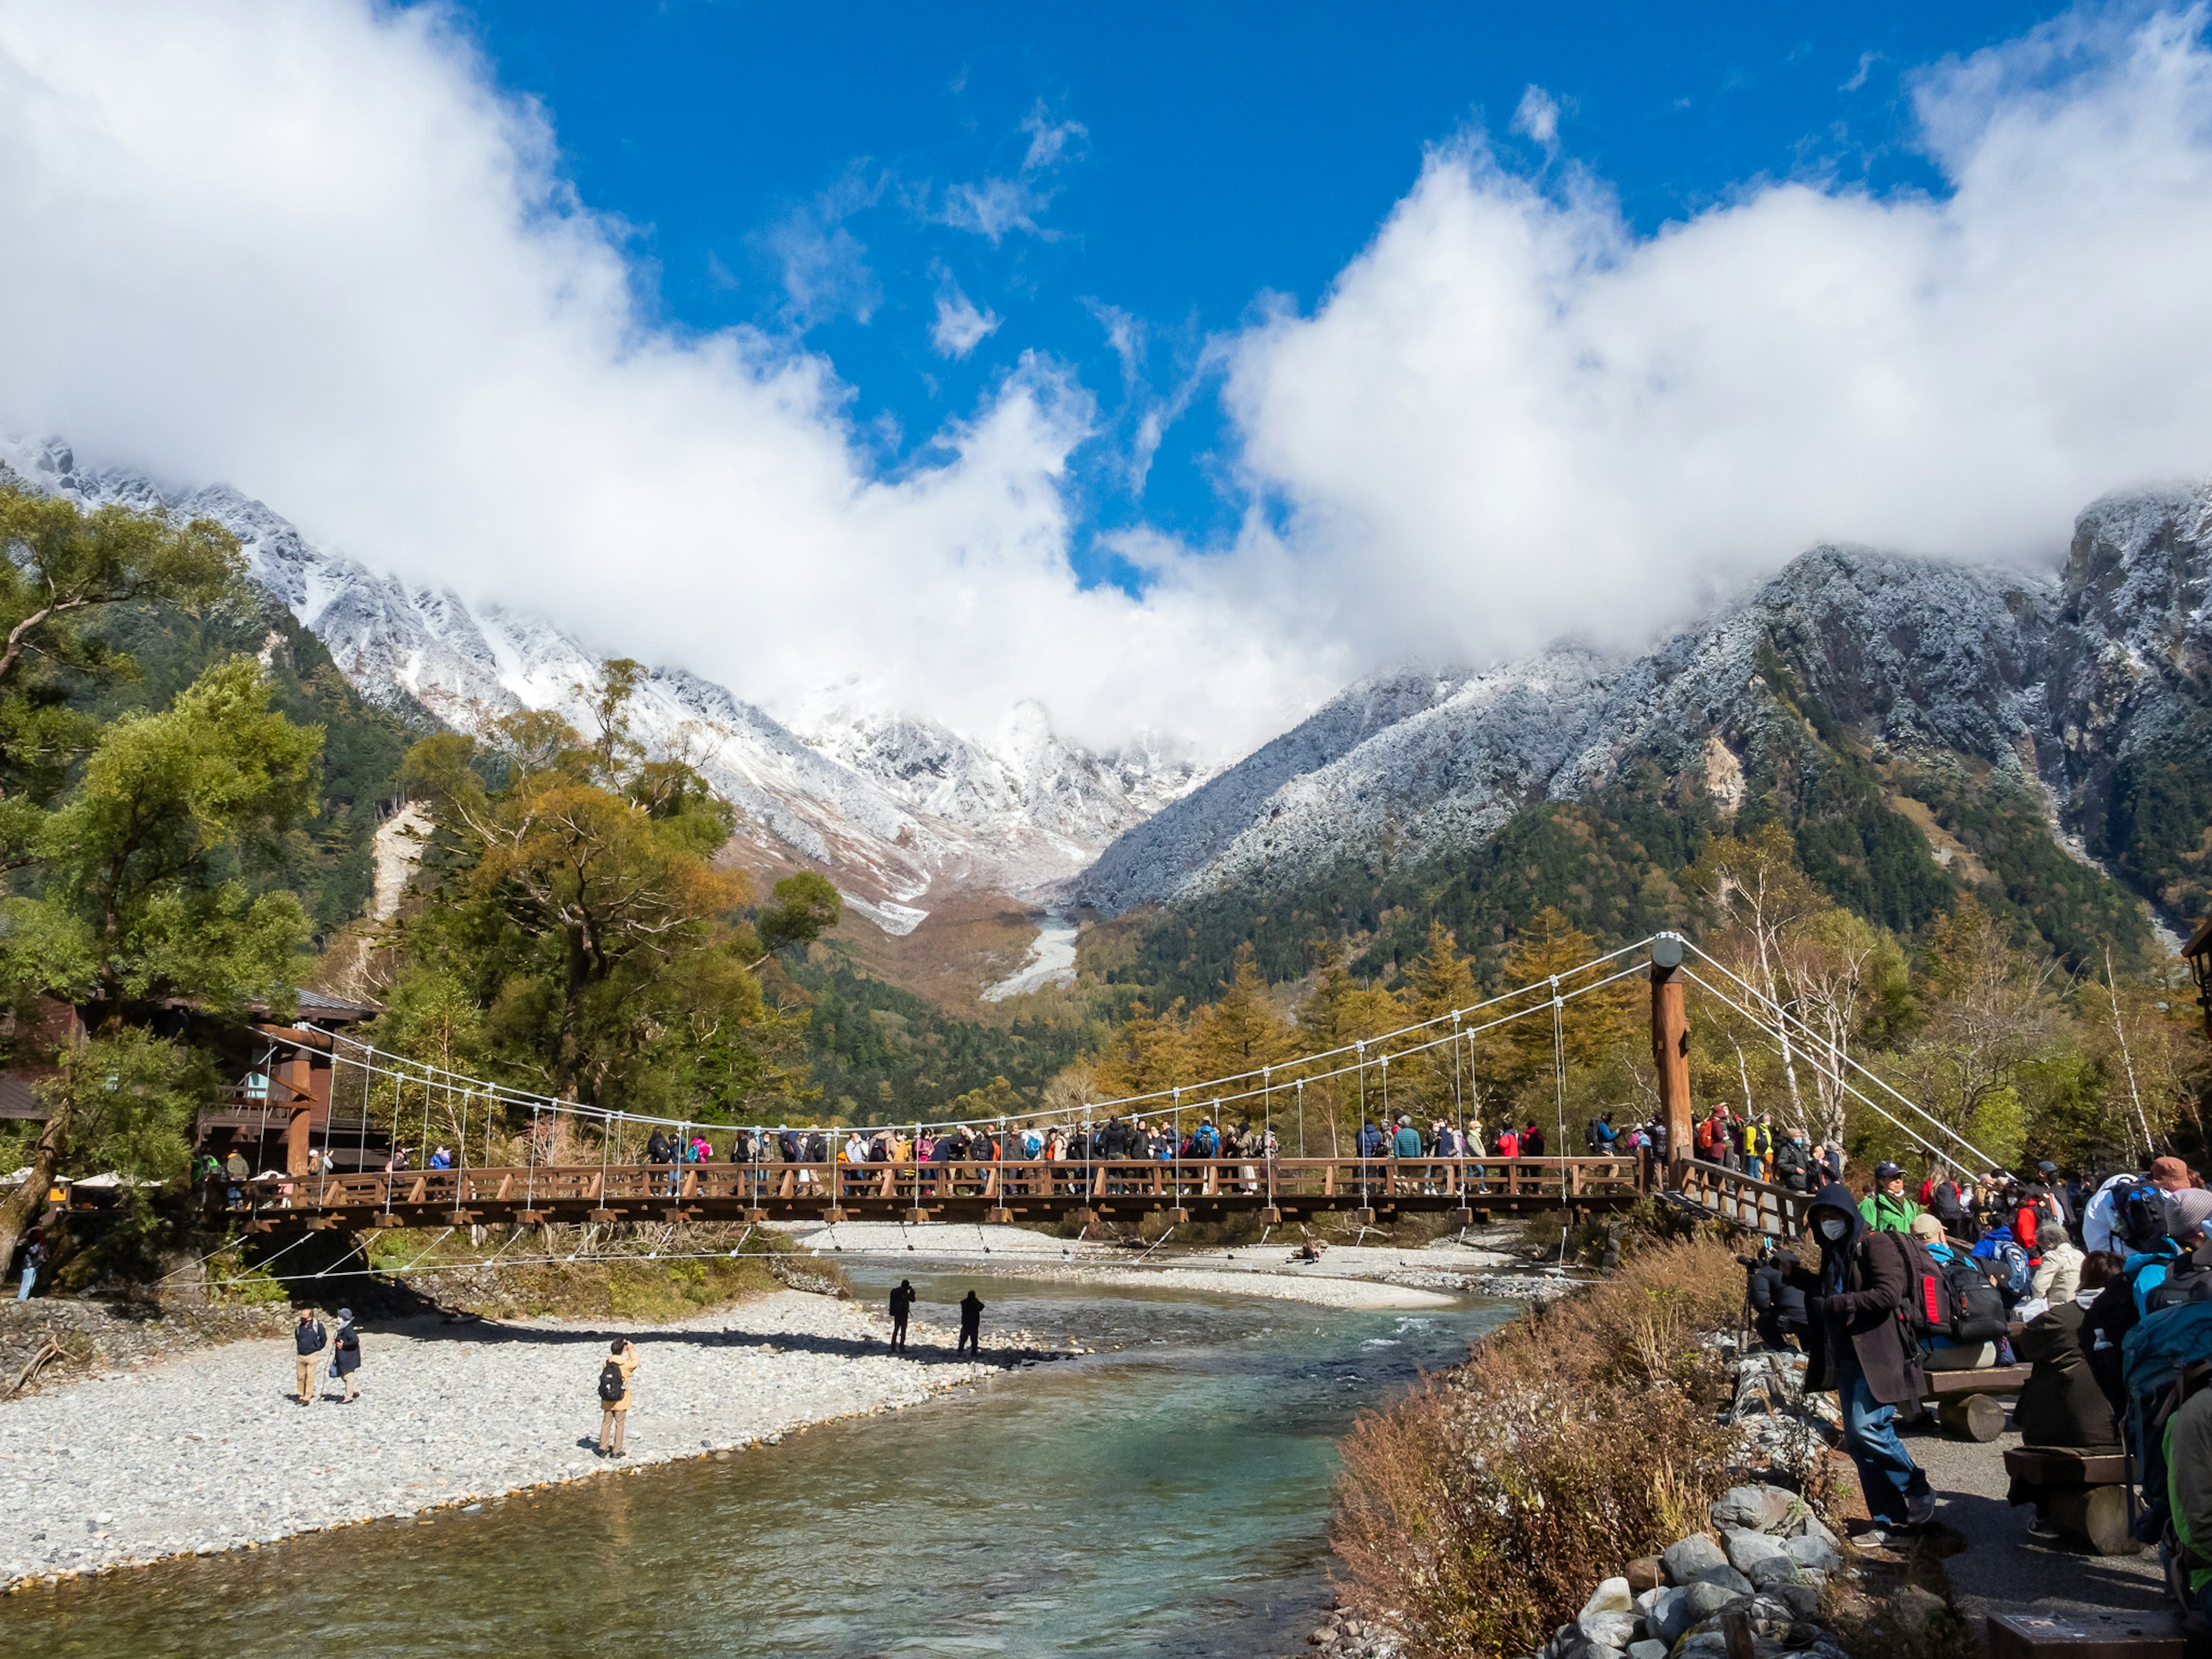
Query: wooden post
x=292, y=1072
x=1670, y=1053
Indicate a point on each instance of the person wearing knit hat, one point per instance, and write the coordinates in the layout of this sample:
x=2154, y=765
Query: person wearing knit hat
x=2188, y=1210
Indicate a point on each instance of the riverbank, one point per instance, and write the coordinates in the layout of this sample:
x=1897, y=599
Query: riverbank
x=207, y=1452
x=1346, y=1276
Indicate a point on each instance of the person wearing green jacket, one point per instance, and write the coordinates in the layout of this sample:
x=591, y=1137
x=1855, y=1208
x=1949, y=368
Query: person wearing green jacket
x=1886, y=1209
x=2189, y=1489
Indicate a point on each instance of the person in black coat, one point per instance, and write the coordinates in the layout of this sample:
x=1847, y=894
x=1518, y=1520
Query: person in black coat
x=901, y=1304
x=971, y=1325
x=1856, y=1350
x=1778, y=1307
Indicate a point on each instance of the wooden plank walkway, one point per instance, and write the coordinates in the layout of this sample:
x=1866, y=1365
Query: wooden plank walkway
x=1283, y=1189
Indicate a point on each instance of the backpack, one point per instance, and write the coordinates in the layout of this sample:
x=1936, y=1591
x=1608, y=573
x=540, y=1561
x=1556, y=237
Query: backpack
x=1977, y=1309
x=2015, y=1273
x=1591, y=1139
x=1926, y=1311
x=2188, y=1280
x=2139, y=1213
x=2166, y=1358
x=611, y=1382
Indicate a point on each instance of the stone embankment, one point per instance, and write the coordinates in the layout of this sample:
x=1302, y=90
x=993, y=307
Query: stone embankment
x=207, y=1451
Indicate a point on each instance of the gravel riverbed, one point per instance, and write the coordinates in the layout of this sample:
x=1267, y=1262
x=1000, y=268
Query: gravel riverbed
x=208, y=1451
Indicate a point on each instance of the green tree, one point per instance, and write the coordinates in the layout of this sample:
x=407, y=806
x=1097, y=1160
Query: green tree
x=64, y=568
x=141, y=897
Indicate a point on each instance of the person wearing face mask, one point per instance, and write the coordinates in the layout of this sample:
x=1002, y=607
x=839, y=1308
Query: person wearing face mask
x=1858, y=1349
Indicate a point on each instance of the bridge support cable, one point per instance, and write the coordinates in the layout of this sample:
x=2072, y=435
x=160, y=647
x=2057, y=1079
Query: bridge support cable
x=1849, y=1087
x=1837, y=1059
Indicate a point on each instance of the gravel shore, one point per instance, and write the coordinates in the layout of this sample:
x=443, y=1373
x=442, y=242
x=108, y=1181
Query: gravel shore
x=208, y=1451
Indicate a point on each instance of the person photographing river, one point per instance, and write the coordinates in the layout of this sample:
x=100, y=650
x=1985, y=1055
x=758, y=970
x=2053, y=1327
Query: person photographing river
x=902, y=1305
x=971, y=1325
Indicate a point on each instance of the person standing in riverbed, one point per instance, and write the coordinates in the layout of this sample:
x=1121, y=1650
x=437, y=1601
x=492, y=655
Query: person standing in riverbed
x=345, y=1356
x=614, y=1396
x=309, y=1340
x=901, y=1304
x=971, y=1325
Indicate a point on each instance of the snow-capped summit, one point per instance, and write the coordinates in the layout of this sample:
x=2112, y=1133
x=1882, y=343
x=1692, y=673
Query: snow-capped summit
x=892, y=807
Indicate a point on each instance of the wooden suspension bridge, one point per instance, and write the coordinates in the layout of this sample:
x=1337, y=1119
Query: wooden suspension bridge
x=1037, y=1191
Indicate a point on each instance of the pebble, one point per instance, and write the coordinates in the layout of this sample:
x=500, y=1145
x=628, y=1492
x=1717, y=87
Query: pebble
x=209, y=1452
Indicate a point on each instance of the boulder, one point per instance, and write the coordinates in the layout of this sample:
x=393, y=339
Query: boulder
x=1772, y=1573
x=1756, y=1509
x=1669, y=1615
x=1613, y=1595
x=1809, y=1525
x=1647, y=1648
x=1726, y=1578
x=1691, y=1559
x=1803, y=1600
x=1702, y=1599
x=1746, y=1549
x=1612, y=1631
x=1644, y=1574
x=1821, y=1554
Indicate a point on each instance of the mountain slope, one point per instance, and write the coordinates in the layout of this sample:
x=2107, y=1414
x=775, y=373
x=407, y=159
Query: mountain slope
x=890, y=807
x=2038, y=718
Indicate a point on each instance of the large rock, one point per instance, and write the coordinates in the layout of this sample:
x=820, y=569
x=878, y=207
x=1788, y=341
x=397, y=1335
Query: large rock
x=1746, y=1549
x=1669, y=1615
x=1756, y=1509
x=1817, y=1551
x=1705, y=1598
x=1613, y=1630
x=1644, y=1573
x=1776, y=1571
x=1809, y=1525
x=1692, y=1559
x=1647, y=1648
x=1613, y=1595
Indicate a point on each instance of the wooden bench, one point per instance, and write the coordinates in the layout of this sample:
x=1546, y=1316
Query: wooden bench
x=2086, y=1636
x=1964, y=1402
x=2082, y=1493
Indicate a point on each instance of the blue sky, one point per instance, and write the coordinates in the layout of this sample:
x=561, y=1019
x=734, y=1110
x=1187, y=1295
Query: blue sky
x=1224, y=153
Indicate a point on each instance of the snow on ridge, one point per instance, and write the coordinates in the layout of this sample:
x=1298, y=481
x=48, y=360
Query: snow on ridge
x=892, y=805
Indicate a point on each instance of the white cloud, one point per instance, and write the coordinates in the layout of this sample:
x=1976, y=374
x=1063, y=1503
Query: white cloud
x=994, y=208
x=960, y=326
x=1511, y=419
x=1858, y=77
x=304, y=247
x=1537, y=115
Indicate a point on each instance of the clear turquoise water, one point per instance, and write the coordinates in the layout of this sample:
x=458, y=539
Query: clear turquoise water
x=1168, y=1497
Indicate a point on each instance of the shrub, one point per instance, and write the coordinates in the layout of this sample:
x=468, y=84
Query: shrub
x=1475, y=1511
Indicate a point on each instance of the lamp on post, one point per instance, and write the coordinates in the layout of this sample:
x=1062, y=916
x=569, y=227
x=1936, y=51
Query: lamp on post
x=2199, y=954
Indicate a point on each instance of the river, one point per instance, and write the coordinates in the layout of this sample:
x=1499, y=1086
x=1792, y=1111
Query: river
x=1166, y=1496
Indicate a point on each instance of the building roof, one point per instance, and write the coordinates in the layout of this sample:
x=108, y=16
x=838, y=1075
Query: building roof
x=314, y=1004
x=2200, y=942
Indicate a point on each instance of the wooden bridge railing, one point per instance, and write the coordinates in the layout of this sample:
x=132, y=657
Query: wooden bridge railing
x=1443, y=1182
x=1759, y=1206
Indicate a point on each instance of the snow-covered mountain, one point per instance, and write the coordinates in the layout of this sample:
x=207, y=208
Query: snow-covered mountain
x=892, y=807
x=2091, y=685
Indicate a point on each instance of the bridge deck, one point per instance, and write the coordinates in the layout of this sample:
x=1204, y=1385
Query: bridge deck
x=1039, y=1191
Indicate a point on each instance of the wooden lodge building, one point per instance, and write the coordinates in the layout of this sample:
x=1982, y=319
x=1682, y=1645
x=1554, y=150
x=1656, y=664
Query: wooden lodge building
x=279, y=1103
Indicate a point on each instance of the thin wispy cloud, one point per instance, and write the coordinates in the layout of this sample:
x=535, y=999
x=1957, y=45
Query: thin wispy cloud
x=961, y=325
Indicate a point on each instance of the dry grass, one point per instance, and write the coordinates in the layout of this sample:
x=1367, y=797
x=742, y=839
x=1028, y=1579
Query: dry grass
x=1478, y=1510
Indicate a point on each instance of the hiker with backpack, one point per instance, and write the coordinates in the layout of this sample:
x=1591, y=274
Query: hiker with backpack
x=345, y=1356
x=1967, y=1323
x=1854, y=1301
x=615, y=1396
x=1778, y=1307
x=2102, y=1218
x=1949, y=1207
